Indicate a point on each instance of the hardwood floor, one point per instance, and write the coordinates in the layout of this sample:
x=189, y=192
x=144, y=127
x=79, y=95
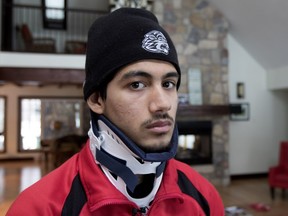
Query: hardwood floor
x=244, y=193
x=15, y=176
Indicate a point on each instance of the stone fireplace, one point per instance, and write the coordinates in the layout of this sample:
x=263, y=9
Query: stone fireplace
x=202, y=117
x=199, y=32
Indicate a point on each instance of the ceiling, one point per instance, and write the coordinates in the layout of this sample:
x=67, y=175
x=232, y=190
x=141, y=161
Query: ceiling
x=261, y=27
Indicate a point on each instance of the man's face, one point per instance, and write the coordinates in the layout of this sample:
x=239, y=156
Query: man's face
x=142, y=101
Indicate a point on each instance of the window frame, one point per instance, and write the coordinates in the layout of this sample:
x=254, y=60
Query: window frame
x=58, y=24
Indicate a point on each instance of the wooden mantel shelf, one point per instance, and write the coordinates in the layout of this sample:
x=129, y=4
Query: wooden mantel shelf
x=203, y=110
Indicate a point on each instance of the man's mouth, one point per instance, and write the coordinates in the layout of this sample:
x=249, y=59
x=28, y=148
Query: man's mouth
x=159, y=126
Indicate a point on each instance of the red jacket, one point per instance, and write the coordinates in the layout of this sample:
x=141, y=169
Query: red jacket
x=79, y=187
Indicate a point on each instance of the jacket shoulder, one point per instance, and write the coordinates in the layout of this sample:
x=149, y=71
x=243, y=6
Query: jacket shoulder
x=198, y=187
x=47, y=196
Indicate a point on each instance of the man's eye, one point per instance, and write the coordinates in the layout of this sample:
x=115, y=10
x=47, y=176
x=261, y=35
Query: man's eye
x=169, y=84
x=137, y=85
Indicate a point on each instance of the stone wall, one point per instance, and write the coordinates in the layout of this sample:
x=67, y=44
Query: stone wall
x=200, y=34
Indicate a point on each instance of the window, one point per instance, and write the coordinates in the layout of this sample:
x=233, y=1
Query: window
x=30, y=124
x=51, y=118
x=2, y=124
x=54, y=14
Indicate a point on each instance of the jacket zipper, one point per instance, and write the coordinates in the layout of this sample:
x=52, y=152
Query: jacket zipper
x=165, y=197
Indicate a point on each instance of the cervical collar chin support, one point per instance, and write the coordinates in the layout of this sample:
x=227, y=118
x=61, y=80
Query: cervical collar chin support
x=122, y=156
x=152, y=157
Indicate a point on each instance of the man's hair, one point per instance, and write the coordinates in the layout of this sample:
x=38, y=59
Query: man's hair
x=102, y=88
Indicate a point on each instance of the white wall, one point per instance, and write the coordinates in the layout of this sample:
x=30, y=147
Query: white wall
x=277, y=78
x=254, y=143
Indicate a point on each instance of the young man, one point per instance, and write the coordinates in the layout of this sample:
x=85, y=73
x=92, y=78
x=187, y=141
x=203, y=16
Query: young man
x=127, y=165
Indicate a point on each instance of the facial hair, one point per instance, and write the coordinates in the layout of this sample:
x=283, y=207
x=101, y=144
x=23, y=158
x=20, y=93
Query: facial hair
x=163, y=147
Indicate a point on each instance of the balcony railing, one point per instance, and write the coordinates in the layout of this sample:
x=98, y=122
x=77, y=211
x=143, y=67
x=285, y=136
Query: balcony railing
x=23, y=30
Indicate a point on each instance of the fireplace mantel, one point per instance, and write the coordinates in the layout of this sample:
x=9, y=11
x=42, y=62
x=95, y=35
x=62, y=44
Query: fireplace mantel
x=203, y=110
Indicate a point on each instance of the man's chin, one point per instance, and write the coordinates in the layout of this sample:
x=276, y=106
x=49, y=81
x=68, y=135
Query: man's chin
x=155, y=148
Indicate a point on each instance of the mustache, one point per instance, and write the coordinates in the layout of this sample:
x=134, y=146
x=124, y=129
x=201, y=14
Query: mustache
x=160, y=116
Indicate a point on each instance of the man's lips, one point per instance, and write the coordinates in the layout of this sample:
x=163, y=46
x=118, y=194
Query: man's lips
x=159, y=126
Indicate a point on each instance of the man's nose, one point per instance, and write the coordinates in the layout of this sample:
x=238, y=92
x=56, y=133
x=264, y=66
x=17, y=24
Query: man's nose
x=160, y=100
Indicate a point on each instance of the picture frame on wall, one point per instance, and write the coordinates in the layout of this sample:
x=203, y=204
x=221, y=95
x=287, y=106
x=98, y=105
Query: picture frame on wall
x=242, y=112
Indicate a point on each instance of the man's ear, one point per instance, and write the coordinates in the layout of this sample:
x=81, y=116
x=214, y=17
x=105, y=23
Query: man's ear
x=96, y=103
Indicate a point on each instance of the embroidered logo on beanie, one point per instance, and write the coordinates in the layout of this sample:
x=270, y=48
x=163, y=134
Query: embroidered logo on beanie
x=155, y=41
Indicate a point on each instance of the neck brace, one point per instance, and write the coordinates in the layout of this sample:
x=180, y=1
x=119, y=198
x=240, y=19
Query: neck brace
x=132, y=146
x=121, y=156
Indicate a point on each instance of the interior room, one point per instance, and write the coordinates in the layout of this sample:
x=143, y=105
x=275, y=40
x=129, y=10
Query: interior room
x=232, y=112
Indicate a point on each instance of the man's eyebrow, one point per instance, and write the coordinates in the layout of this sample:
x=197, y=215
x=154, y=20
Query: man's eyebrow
x=171, y=74
x=131, y=74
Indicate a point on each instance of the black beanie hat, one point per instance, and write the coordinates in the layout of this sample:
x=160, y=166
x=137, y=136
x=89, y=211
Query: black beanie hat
x=122, y=37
